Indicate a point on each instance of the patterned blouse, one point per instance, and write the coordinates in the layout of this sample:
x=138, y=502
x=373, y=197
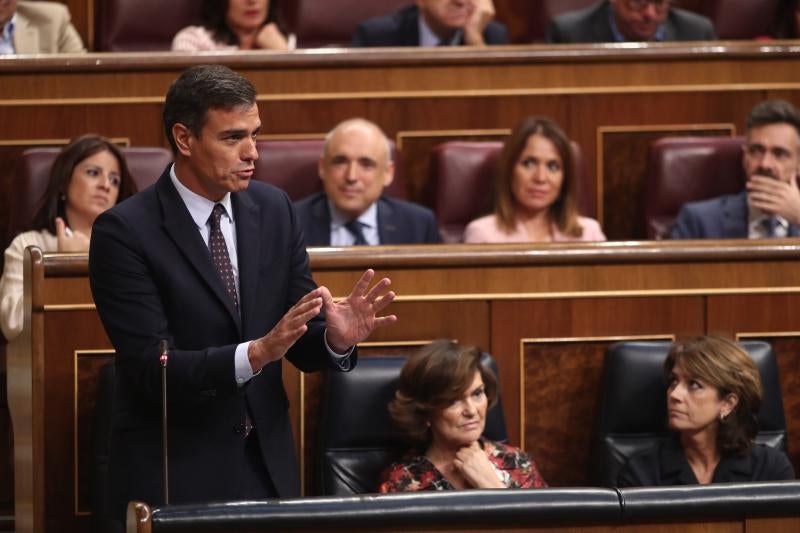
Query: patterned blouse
x=415, y=472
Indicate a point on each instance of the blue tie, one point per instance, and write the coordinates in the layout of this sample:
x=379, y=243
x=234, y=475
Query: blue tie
x=771, y=226
x=354, y=227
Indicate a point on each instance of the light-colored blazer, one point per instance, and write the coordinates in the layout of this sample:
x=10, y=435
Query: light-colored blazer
x=45, y=28
x=486, y=230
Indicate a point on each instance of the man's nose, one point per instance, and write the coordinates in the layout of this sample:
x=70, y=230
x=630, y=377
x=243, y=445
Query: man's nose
x=250, y=150
x=650, y=11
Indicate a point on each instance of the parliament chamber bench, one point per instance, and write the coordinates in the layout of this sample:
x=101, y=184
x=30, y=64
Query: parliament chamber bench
x=612, y=100
x=726, y=507
x=547, y=313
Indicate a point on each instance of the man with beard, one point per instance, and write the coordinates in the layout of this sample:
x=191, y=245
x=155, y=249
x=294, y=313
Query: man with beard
x=770, y=204
x=434, y=23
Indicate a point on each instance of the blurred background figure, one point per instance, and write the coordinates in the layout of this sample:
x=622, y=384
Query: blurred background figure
x=440, y=406
x=629, y=20
x=37, y=28
x=235, y=25
x=713, y=399
x=434, y=23
x=88, y=176
x=535, y=198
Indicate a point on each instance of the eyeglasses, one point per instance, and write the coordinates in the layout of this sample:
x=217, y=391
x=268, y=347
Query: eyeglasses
x=639, y=5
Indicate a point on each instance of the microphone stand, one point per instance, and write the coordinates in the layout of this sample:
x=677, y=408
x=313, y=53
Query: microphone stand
x=164, y=449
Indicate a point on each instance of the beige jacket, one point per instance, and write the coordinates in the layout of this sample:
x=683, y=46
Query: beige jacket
x=45, y=28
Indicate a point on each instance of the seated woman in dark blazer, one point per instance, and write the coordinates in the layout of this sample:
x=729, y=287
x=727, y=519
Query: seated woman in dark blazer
x=440, y=406
x=713, y=398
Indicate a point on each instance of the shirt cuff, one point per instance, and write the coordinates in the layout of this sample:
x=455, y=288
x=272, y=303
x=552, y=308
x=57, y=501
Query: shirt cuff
x=340, y=359
x=244, y=372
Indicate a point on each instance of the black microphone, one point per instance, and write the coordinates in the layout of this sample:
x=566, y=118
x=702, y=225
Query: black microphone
x=164, y=450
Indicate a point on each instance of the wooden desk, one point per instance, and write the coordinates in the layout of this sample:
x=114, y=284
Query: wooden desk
x=545, y=312
x=611, y=99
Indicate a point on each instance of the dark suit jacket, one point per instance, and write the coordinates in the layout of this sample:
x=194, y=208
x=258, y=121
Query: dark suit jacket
x=591, y=25
x=399, y=222
x=152, y=278
x=724, y=217
x=402, y=29
x=666, y=464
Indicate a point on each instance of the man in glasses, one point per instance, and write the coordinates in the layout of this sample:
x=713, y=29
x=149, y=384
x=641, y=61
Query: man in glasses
x=770, y=204
x=622, y=21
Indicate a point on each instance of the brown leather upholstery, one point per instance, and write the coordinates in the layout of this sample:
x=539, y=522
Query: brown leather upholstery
x=461, y=175
x=33, y=171
x=686, y=169
x=292, y=166
x=742, y=19
x=134, y=25
x=332, y=22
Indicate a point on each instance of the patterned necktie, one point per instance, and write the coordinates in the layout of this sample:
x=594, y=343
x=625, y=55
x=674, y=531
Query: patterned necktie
x=770, y=226
x=219, y=254
x=354, y=227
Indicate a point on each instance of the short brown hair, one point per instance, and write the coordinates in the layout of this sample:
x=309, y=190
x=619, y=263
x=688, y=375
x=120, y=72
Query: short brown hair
x=565, y=209
x=771, y=112
x=727, y=367
x=433, y=378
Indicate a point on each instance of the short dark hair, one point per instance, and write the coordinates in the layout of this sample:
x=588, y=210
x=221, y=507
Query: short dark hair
x=199, y=89
x=214, y=18
x=725, y=366
x=433, y=378
x=773, y=112
x=564, y=210
x=53, y=201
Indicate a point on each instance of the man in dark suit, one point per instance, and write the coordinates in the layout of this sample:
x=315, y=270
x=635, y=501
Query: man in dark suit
x=770, y=205
x=629, y=20
x=355, y=167
x=434, y=23
x=216, y=266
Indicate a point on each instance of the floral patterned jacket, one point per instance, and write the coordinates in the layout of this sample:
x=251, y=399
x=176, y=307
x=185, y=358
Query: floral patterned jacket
x=415, y=472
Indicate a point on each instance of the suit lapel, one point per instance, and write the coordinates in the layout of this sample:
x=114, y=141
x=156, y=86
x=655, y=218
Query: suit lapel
x=320, y=230
x=248, y=250
x=735, y=222
x=179, y=225
x=387, y=227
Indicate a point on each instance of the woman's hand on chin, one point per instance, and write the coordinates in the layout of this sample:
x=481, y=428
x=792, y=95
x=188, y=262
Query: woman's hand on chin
x=474, y=465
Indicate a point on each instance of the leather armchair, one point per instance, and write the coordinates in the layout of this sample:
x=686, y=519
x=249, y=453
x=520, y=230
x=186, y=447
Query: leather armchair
x=357, y=439
x=687, y=169
x=633, y=406
x=742, y=19
x=142, y=25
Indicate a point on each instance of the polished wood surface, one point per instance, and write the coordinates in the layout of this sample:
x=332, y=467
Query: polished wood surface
x=546, y=312
x=611, y=99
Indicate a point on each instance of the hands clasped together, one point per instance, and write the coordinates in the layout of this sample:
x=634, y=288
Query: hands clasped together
x=349, y=321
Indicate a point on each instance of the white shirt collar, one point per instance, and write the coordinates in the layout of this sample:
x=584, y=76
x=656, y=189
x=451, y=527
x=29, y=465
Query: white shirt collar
x=368, y=219
x=755, y=223
x=199, y=207
x=427, y=37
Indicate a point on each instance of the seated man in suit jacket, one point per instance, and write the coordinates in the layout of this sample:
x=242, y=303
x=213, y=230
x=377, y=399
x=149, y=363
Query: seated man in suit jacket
x=770, y=206
x=629, y=20
x=37, y=28
x=354, y=167
x=434, y=23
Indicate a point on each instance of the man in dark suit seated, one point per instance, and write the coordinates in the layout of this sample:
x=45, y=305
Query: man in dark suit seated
x=770, y=205
x=434, y=23
x=355, y=166
x=629, y=20
x=215, y=266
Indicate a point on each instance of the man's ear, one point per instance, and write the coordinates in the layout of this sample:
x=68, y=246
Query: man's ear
x=389, y=174
x=183, y=139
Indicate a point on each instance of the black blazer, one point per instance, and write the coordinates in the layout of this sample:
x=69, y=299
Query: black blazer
x=666, y=464
x=591, y=25
x=402, y=29
x=152, y=278
x=399, y=222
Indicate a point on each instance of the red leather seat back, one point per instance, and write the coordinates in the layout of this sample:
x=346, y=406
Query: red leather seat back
x=687, y=169
x=142, y=25
x=742, y=19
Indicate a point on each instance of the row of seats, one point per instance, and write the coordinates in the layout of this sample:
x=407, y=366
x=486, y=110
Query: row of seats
x=354, y=449
x=681, y=169
x=139, y=25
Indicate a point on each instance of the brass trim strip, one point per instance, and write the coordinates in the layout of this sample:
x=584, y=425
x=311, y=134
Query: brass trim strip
x=436, y=94
x=393, y=344
x=541, y=340
x=761, y=334
x=122, y=141
x=76, y=354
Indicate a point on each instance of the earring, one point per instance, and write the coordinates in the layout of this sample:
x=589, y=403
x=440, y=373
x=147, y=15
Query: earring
x=722, y=416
